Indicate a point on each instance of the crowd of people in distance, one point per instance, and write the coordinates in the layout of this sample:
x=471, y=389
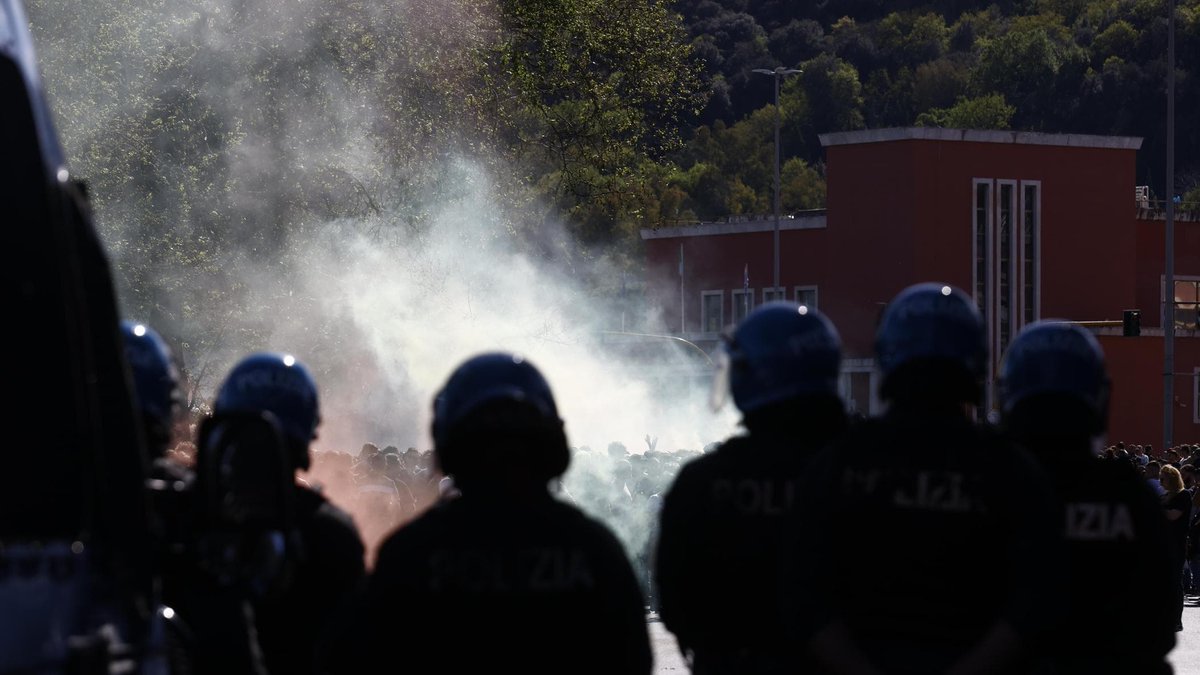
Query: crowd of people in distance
x=385, y=488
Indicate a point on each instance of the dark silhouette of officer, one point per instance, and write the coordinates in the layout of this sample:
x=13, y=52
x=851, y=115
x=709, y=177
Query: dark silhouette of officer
x=928, y=543
x=1054, y=391
x=323, y=552
x=724, y=518
x=504, y=577
x=212, y=626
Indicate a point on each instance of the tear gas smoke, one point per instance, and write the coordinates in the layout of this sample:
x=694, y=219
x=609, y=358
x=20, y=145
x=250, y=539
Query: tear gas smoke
x=395, y=318
x=295, y=177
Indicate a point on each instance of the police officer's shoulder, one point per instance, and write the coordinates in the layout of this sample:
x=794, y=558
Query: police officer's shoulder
x=332, y=525
x=712, y=461
x=441, y=522
x=694, y=475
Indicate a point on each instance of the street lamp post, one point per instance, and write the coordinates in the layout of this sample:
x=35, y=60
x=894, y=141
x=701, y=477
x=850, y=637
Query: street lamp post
x=1169, y=272
x=778, y=73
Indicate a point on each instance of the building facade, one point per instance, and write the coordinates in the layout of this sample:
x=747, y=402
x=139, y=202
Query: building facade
x=1031, y=225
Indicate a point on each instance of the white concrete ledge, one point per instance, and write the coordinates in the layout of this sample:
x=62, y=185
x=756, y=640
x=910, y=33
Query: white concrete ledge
x=798, y=222
x=979, y=136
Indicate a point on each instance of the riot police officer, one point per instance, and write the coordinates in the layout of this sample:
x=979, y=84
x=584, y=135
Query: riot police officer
x=212, y=625
x=724, y=516
x=157, y=399
x=1054, y=400
x=326, y=554
x=930, y=544
x=505, y=577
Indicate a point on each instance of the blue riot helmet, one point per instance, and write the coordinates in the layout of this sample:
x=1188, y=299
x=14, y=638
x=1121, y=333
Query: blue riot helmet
x=1053, y=382
x=931, y=344
x=496, y=413
x=155, y=382
x=278, y=384
x=780, y=352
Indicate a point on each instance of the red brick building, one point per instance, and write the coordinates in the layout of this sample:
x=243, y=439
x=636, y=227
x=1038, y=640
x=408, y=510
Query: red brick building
x=1032, y=225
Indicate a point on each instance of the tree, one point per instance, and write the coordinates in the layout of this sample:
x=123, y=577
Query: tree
x=1034, y=65
x=940, y=83
x=581, y=90
x=1191, y=200
x=797, y=41
x=983, y=112
x=802, y=186
x=831, y=95
x=911, y=39
x=1118, y=39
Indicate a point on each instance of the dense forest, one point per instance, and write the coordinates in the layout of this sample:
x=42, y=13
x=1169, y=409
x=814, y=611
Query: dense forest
x=230, y=143
x=1070, y=66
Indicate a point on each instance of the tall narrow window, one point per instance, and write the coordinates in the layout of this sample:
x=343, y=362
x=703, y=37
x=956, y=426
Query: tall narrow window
x=1030, y=243
x=743, y=302
x=982, y=247
x=1006, y=279
x=712, y=318
x=860, y=393
x=807, y=296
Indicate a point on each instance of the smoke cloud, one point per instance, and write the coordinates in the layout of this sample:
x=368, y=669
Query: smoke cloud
x=293, y=177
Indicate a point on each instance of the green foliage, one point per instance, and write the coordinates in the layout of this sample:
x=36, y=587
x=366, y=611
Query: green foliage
x=583, y=90
x=939, y=83
x=829, y=91
x=1070, y=66
x=973, y=26
x=1029, y=65
x=1065, y=8
x=983, y=112
x=1191, y=199
x=1118, y=39
x=914, y=39
x=801, y=186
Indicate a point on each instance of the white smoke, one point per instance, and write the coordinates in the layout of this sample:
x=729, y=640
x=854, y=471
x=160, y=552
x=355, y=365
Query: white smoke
x=273, y=176
x=399, y=312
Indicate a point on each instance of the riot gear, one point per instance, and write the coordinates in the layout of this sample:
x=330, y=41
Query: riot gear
x=782, y=351
x=504, y=576
x=1054, y=390
x=931, y=341
x=727, y=513
x=280, y=385
x=1053, y=381
x=155, y=381
x=494, y=410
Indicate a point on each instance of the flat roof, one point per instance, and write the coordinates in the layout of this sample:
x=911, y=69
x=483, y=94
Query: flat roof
x=979, y=136
x=808, y=220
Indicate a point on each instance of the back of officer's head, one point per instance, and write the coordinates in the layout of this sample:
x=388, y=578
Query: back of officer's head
x=155, y=383
x=784, y=359
x=277, y=384
x=931, y=347
x=1053, y=383
x=495, y=425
